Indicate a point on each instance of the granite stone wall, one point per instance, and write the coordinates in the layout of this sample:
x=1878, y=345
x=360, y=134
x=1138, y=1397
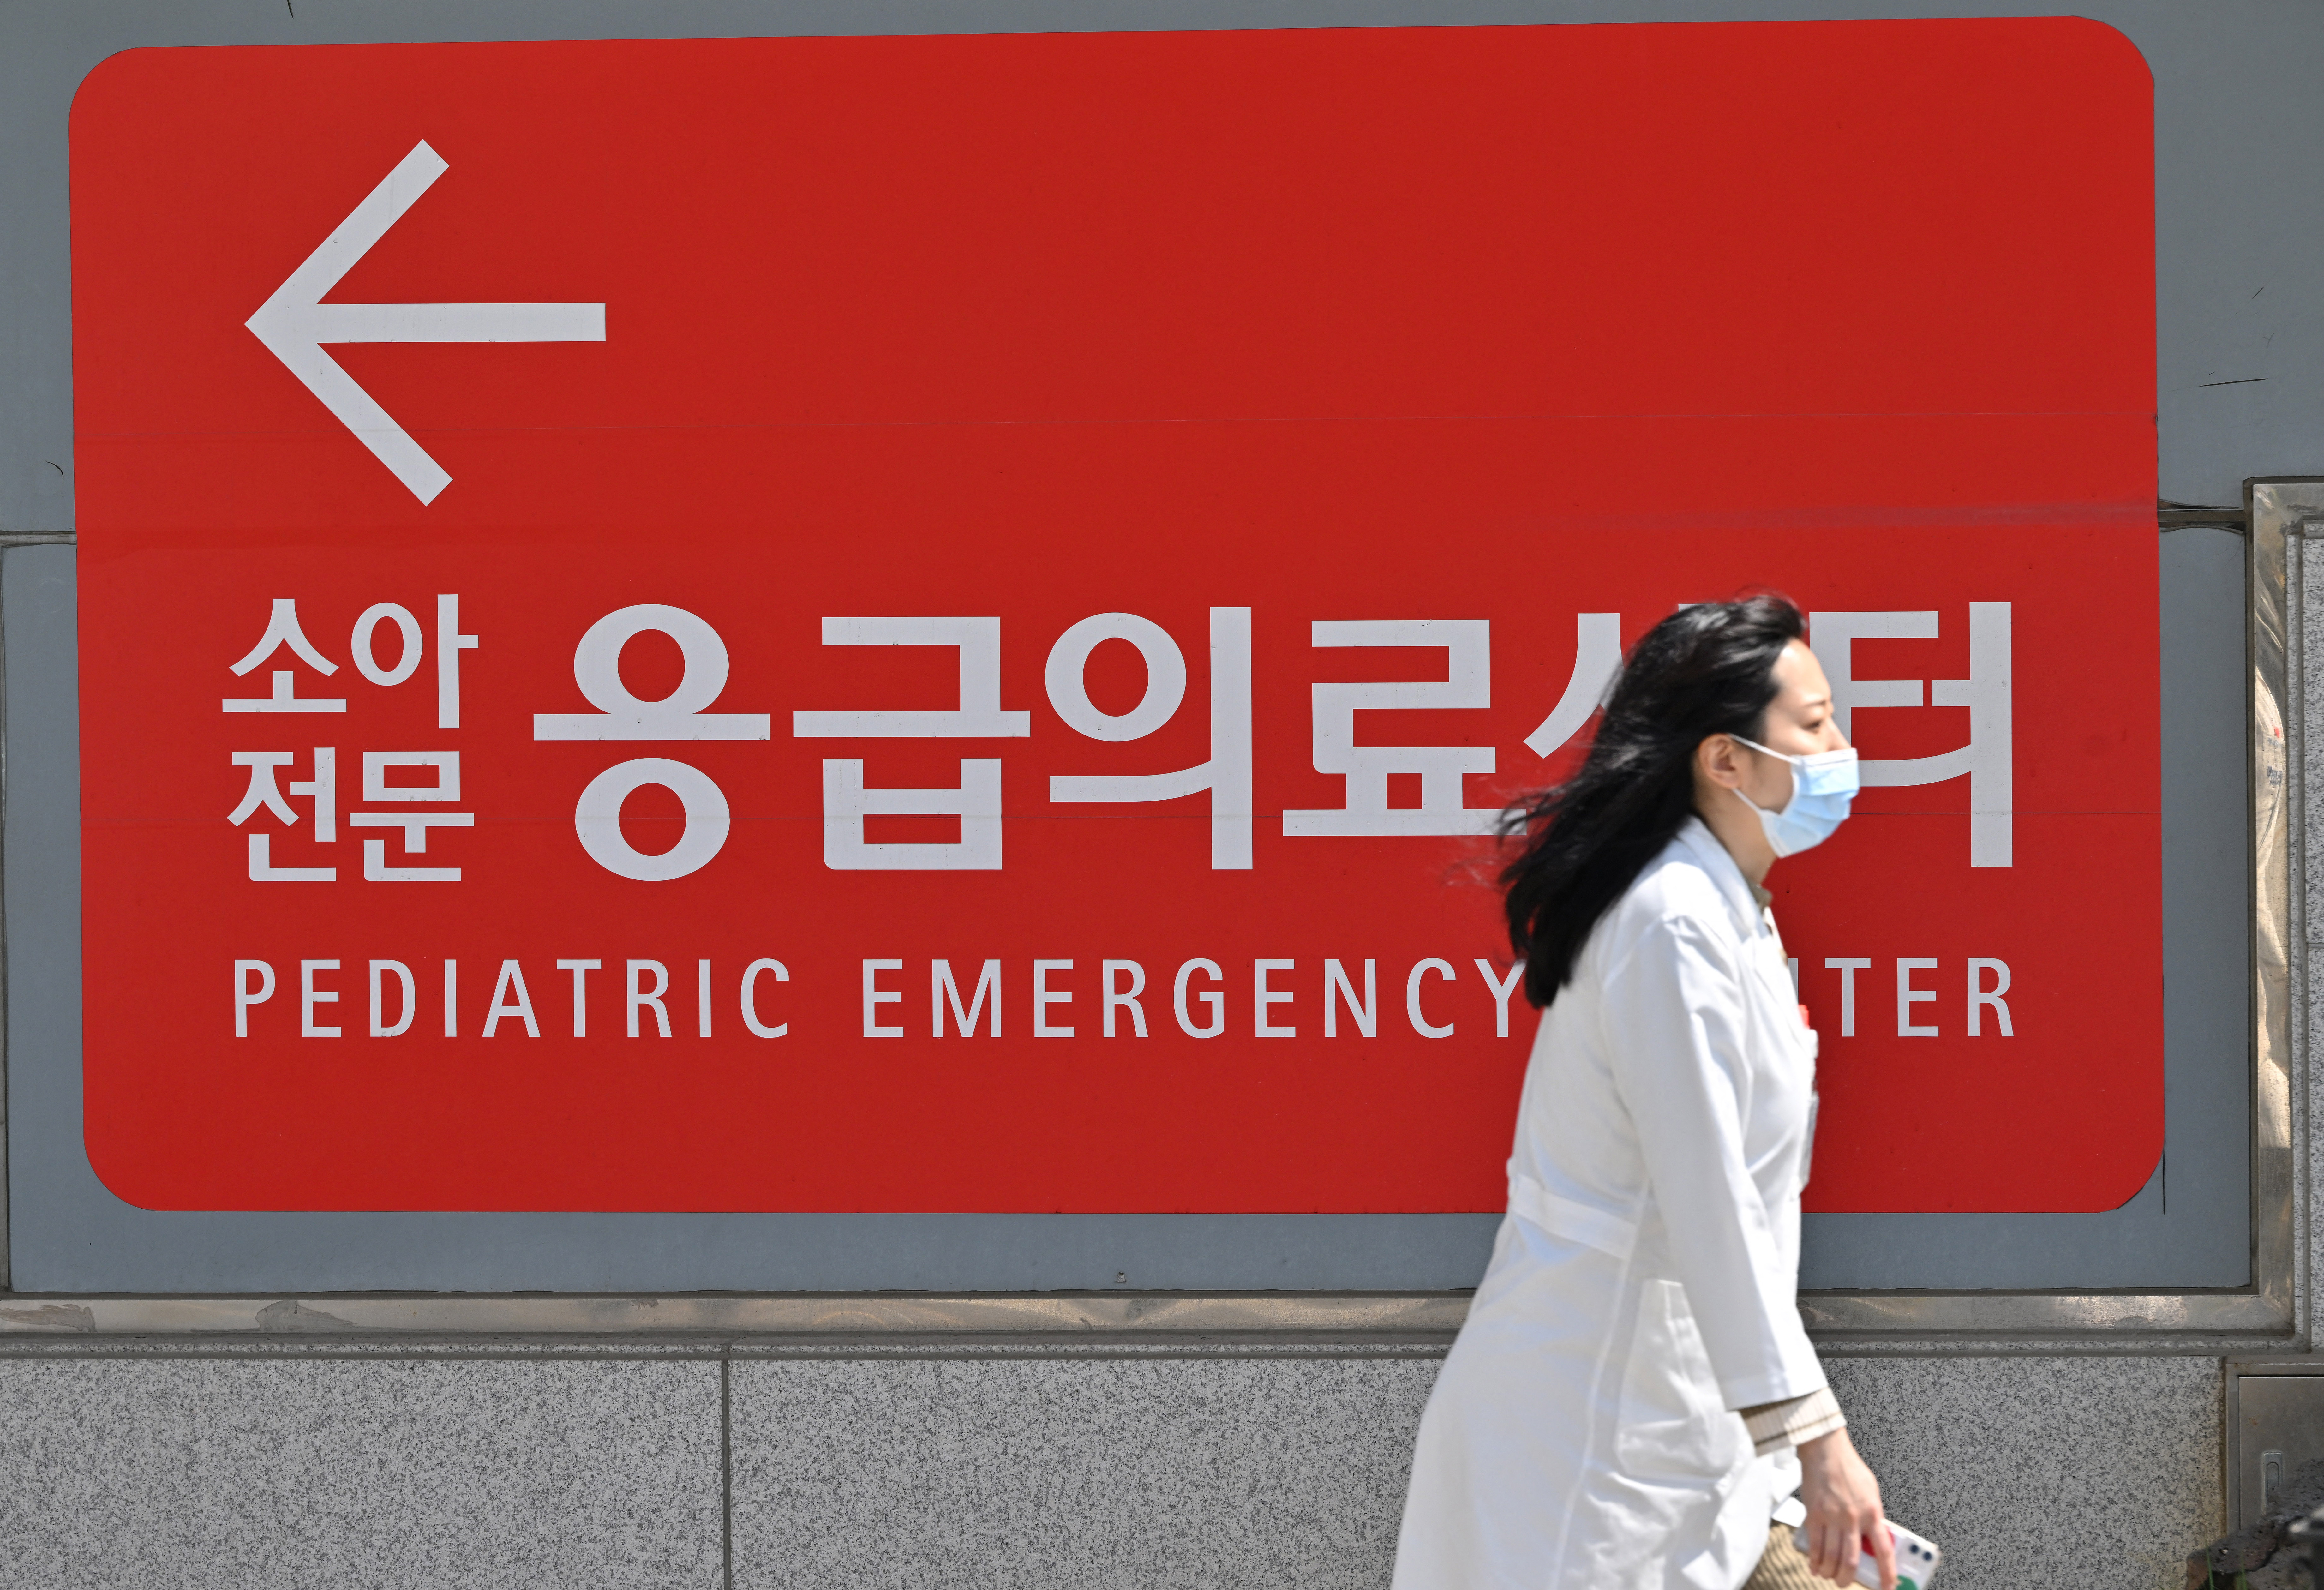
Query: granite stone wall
x=952, y=1469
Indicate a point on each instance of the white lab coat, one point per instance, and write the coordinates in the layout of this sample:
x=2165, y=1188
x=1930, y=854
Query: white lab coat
x=1643, y=1286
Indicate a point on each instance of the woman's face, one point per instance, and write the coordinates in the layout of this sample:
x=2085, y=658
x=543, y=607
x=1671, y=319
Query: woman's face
x=1799, y=724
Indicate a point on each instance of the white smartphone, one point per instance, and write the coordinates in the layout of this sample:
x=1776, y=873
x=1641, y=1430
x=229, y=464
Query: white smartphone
x=1916, y=1559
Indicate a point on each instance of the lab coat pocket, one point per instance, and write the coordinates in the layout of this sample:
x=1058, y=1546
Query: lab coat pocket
x=1671, y=1426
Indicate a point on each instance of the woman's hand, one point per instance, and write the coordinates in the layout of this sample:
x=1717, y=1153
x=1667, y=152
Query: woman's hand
x=1843, y=1503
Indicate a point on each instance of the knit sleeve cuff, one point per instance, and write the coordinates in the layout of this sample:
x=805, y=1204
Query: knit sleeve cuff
x=1775, y=1425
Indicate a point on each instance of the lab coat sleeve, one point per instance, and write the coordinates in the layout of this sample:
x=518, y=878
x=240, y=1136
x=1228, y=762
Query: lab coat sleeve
x=1675, y=1028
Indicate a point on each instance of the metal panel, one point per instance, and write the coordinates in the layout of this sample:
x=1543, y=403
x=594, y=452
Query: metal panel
x=2278, y=512
x=2274, y=1424
x=2189, y=1226
x=2190, y=441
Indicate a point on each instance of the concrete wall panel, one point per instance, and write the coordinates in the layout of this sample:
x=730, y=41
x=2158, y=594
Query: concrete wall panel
x=990, y=1475
x=126, y=1474
x=1255, y=1474
x=2045, y=1471
x=1235, y=1472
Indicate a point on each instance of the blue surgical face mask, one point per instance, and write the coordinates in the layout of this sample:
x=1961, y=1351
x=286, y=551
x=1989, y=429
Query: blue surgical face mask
x=1822, y=785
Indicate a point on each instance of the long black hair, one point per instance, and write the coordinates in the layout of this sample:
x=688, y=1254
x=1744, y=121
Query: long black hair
x=1707, y=670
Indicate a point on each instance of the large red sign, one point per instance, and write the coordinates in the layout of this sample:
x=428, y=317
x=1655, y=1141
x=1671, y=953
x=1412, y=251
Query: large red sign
x=938, y=624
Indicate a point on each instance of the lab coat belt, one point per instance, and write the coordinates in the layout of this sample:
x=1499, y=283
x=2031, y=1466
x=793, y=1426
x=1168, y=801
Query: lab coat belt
x=1602, y=1229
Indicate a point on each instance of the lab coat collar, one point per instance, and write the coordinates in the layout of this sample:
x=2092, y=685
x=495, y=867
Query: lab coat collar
x=1748, y=904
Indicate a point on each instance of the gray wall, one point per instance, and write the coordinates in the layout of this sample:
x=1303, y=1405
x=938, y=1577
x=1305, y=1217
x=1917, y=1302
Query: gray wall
x=485, y=1463
x=938, y=1470
x=2236, y=340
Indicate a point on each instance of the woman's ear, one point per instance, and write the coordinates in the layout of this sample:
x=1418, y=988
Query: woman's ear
x=1718, y=761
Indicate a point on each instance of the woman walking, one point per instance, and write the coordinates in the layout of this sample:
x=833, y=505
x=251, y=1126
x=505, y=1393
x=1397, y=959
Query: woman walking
x=1634, y=1404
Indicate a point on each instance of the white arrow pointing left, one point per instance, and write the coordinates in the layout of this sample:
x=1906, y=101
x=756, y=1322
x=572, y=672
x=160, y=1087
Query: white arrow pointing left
x=295, y=323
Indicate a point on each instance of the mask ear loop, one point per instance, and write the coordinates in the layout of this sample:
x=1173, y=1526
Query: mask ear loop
x=1792, y=762
x=1766, y=751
